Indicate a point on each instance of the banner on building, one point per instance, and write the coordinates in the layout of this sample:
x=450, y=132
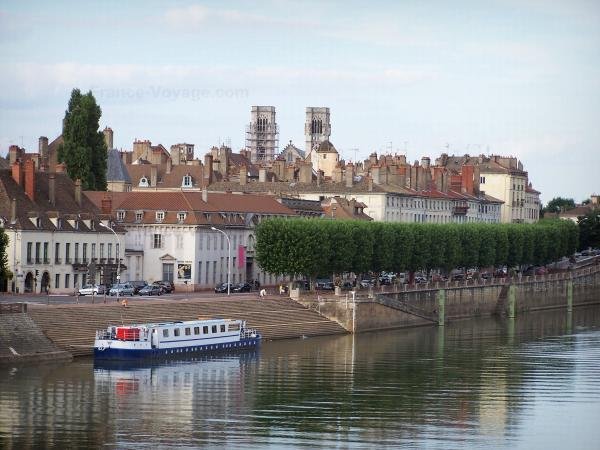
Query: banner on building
x=241, y=257
x=184, y=270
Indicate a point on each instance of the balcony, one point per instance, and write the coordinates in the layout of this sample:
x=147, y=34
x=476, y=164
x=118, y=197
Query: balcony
x=460, y=210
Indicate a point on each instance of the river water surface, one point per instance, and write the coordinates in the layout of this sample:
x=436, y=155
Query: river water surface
x=529, y=383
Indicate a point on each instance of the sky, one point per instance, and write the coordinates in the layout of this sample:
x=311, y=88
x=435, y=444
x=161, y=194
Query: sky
x=423, y=77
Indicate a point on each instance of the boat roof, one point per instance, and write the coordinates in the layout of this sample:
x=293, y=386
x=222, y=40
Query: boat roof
x=199, y=321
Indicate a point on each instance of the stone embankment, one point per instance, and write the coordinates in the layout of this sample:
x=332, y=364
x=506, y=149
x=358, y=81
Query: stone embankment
x=404, y=307
x=22, y=340
x=73, y=327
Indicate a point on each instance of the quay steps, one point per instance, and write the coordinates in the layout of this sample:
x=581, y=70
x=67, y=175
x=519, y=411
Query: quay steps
x=72, y=327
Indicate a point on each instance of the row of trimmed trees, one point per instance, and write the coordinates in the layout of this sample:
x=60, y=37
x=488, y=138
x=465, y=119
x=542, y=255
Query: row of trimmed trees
x=309, y=247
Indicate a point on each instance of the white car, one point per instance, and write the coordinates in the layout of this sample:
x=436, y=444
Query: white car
x=91, y=289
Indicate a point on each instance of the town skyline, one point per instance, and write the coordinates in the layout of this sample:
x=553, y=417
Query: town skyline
x=509, y=78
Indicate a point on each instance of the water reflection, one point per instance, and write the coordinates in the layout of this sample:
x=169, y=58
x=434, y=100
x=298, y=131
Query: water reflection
x=481, y=383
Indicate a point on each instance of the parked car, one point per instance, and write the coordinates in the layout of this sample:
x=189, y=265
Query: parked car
x=222, y=287
x=168, y=286
x=151, y=289
x=122, y=289
x=325, y=285
x=92, y=289
x=420, y=279
x=242, y=287
x=366, y=283
x=137, y=285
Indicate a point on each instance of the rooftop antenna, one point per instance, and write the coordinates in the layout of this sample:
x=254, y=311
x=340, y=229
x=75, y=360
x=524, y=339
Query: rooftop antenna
x=355, y=150
x=390, y=147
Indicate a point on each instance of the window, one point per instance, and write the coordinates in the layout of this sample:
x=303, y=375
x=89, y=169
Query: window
x=181, y=216
x=139, y=215
x=109, y=251
x=46, y=259
x=101, y=251
x=157, y=241
x=214, y=329
x=84, y=256
x=67, y=254
x=29, y=256
x=188, y=331
x=144, y=182
x=67, y=280
x=165, y=333
x=57, y=253
x=37, y=253
x=93, y=251
x=179, y=241
x=205, y=329
x=222, y=328
x=76, y=280
x=168, y=272
x=187, y=181
x=120, y=216
x=56, y=281
x=77, y=253
x=176, y=332
x=160, y=216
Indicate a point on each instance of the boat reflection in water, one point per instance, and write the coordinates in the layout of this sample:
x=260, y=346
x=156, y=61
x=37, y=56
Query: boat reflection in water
x=180, y=392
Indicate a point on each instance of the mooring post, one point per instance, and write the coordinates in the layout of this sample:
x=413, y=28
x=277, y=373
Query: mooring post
x=570, y=295
x=441, y=303
x=511, y=301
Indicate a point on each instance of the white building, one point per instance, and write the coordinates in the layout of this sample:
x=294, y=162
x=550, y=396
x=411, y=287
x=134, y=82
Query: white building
x=58, y=241
x=170, y=235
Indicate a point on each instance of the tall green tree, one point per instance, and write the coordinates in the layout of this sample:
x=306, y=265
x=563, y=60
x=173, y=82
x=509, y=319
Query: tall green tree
x=589, y=229
x=83, y=149
x=4, y=272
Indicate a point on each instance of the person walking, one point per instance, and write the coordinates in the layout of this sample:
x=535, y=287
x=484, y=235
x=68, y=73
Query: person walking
x=263, y=293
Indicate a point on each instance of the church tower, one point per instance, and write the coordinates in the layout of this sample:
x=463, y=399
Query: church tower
x=317, y=128
x=262, y=134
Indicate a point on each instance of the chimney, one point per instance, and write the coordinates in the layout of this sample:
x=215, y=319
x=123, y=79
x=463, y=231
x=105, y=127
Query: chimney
x=43, y=149
x=52, y=189
x=169, y=165
x=30, y=179
x=208, y=173
x=305, y=172
x=467, y=179
x=153, y=176
x=78, y=191
x=15, y=153
x=17, y=173
x=425, y=162
x=375, y=173
x=349, y=175
x=106, y=205
x=262, y=175
x=108, y=138
x=61, y=168
x=476, y=179
x=243, y=175
x=402, y=176
x=370, y=184
x=204, y=194
x=13, y=211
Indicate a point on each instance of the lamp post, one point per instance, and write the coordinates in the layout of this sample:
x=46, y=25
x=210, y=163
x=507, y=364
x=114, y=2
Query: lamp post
x=228, y=258
x=117, y=254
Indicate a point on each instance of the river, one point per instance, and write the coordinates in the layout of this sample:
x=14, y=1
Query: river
x=529, y=383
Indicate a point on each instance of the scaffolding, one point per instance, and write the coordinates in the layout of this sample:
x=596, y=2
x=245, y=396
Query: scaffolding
x=262, y=134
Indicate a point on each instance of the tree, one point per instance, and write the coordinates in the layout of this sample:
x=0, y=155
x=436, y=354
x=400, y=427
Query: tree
x=83, y=149
x=559, y=204
x=589, y=229
x=5, y=274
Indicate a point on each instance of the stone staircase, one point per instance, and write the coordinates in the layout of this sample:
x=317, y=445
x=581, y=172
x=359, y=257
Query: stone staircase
x=73, y=327
x=406, y=307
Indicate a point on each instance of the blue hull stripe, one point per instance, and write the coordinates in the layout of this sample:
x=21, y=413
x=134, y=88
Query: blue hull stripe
x=120, y=353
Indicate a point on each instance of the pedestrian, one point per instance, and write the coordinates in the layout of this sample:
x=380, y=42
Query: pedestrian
x=281, y=289
x=263, y=293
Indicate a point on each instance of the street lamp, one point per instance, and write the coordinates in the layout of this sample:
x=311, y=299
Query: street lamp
x=228, y=259
x=117, y=253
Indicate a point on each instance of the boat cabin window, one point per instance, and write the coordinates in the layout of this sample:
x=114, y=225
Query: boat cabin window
x=196, y=330
x=234, y=327
x=222, y=328
x=205, y=329
x=214, y=328
x=188, y=331
x=165, y=333
x=176, y=332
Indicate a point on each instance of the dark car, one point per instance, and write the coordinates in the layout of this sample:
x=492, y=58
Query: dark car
x=151, y=289
x=167, y=286
x=241, y=287
x=222, y=287
x=137, y=285
x=325, y=285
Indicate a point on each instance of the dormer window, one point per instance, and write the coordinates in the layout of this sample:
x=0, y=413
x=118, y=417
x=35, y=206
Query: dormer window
x=181, y=216
x=120, y=216
x=144, y=182
x=139, y=215
x=187, y=181
x=160, y=216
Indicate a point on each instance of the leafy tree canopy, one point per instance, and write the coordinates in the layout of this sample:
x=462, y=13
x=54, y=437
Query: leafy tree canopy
x=589, y=229
x=559, y=204
x=83, y=150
